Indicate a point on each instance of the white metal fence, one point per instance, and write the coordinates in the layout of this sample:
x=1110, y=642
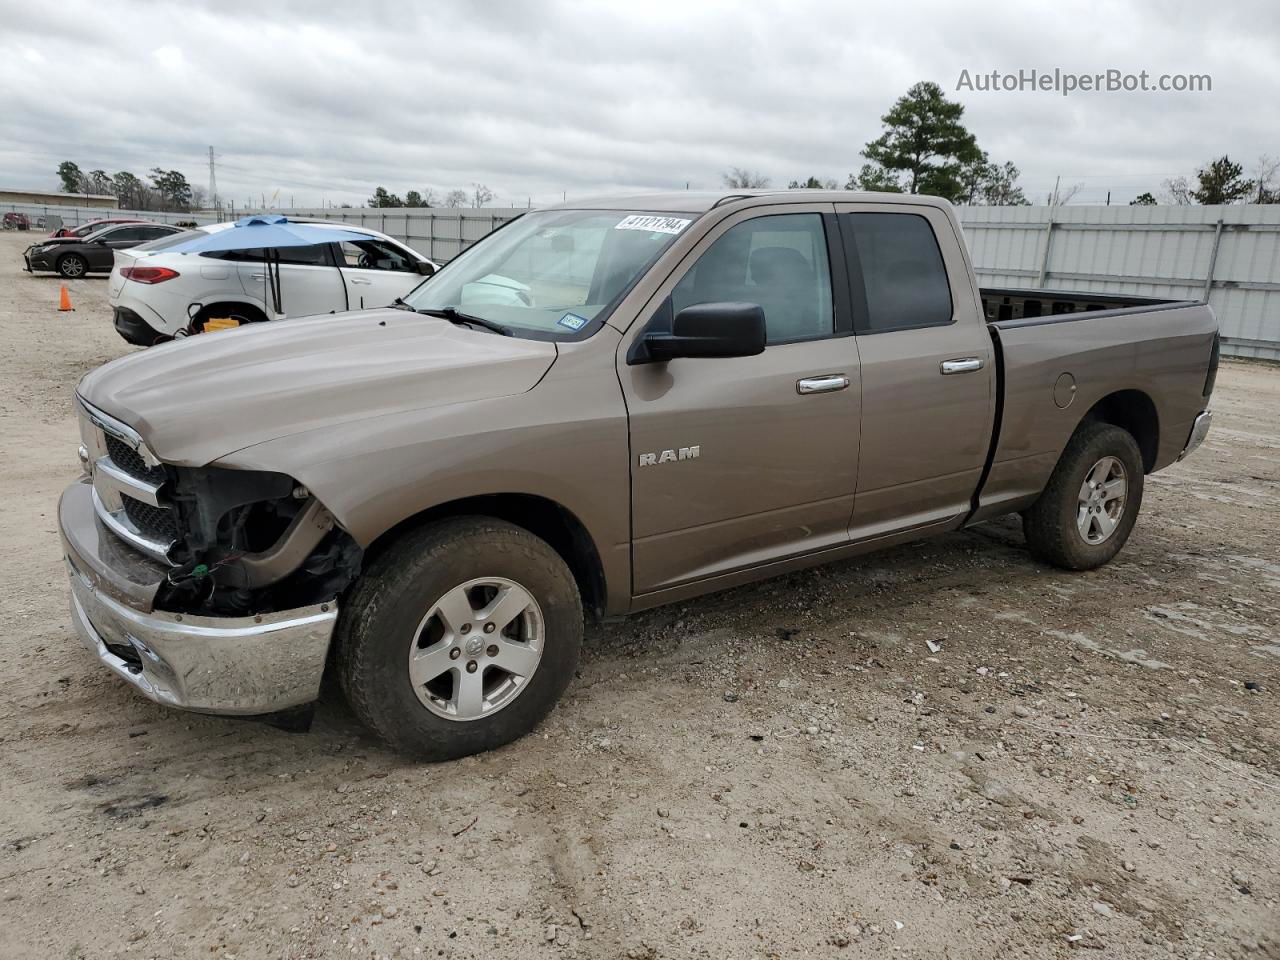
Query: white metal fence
x=1231, y=254
x=74, y=216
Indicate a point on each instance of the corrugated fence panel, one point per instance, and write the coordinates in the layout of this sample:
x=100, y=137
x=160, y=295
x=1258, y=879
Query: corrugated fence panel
x=1158, y=251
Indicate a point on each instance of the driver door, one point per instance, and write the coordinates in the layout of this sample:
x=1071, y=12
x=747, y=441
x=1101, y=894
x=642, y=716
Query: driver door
x=377, y=272
x=736, y=462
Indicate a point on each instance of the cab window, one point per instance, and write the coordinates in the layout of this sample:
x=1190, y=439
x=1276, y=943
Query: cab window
x=777, y=261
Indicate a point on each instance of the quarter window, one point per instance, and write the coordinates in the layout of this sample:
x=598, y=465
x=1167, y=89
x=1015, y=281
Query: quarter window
x=779, y=262
x=903, y=277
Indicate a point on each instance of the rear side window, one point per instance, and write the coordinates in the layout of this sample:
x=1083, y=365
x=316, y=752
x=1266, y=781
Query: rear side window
x=314, y=255
x=902, y=275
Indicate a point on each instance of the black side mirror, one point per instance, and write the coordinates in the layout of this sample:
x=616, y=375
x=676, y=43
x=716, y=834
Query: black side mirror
x=426, y=269
x=706, y=330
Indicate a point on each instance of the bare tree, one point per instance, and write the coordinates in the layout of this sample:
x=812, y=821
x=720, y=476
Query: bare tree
x=481, y=195
x=199, y=197
x=1061, y=196
x=736, y=178
x=1264, y=179
x=455, y=198
x=1178, y=191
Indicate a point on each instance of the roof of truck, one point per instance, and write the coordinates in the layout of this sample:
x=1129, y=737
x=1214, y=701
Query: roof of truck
x=700, y=201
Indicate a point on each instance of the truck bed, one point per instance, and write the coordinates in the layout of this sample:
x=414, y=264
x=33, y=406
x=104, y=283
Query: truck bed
x=1001, y=304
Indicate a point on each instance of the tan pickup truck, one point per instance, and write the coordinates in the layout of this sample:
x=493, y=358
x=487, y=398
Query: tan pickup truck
x=598, y=408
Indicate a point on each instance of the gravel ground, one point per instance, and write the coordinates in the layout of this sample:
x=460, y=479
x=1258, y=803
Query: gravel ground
x=942, y=750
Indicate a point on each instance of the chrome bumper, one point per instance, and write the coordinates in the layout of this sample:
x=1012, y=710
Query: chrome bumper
x=242, y=665
x=1199, y=430
x=232, y=665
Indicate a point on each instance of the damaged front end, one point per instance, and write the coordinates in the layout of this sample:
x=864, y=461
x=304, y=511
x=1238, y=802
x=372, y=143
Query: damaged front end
x=207, y=588
x=251, y=542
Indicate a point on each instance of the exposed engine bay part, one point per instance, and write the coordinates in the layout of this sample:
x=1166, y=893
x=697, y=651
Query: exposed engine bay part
x=304, y=533
x=252, y=542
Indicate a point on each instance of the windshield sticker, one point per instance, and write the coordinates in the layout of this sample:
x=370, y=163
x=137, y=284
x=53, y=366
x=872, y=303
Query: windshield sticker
x=572, y=321
x=652, y=224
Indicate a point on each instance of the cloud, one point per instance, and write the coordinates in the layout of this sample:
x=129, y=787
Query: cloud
x=543, y=99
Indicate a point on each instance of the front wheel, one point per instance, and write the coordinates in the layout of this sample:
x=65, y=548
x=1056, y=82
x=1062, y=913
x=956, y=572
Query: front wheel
x=460, y=637
x=73, y=266
x=1089, y=507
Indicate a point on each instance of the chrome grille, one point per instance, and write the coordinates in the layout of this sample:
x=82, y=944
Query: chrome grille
x=127, y=483
x=131, y=462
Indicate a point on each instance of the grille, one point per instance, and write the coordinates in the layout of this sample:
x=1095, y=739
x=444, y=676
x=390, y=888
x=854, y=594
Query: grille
x=156, y=523
x=131, y=462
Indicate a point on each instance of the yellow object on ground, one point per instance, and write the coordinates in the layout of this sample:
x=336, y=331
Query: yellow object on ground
x=220, y=323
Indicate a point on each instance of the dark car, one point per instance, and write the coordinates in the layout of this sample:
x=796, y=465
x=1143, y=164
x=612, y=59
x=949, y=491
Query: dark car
x=75, y=256
x=93, y=226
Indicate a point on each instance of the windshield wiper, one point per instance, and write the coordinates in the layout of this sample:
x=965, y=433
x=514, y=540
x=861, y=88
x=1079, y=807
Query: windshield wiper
x=454, y=315
x=399, y=304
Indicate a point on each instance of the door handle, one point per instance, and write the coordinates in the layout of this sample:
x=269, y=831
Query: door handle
x=257, y=276
x=960, y=365
x=825, y=384
x=361, y=280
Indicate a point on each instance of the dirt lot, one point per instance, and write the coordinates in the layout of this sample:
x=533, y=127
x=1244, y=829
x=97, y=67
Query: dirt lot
x=789, y=769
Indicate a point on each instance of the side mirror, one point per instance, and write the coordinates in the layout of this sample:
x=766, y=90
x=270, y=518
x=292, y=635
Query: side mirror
x=426, y=269
x=706, y=330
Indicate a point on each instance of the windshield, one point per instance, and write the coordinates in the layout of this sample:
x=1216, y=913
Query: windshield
x=551, y=274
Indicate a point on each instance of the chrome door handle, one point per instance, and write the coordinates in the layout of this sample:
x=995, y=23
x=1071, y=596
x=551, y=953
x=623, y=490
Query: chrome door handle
x=361, y=280
x=827, y=384
x=960, y=365
x=257, y=276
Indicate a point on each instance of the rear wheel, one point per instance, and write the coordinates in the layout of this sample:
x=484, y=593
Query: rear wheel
x=72, y=265
x=460, y=637
x=1089, y=507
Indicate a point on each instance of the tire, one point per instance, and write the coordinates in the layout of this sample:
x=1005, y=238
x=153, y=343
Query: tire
x=1079, y=527
x=72, y=266
x=395, y=613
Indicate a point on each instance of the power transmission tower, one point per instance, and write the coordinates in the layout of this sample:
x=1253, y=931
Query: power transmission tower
x=213, y=181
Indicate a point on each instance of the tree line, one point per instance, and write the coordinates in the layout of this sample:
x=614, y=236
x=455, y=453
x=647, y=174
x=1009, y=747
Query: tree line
x=477, y=196
x=1220, y=181
x=162, y=190
x=924, y=148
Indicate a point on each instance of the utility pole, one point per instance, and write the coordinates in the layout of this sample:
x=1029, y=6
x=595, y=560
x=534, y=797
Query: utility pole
x=213, y=181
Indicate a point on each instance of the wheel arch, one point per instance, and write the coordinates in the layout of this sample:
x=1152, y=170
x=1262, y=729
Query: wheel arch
x=207, y=307
x=541, y=516
x=1134, y=411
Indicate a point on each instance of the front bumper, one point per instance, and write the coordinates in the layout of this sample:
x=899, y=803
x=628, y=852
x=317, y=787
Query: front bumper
x=228, y=665
x=1199, y=430
x=37, y=261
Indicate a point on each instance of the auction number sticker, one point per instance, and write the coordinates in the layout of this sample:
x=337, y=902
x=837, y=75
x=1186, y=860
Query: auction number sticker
x=652, y=224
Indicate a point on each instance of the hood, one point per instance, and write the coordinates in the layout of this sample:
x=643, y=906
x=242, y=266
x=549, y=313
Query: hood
x=50, y=241
x=201, y=398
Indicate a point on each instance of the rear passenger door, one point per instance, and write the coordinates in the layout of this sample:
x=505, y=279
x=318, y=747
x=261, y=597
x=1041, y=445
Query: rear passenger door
x=309, y=280
x=928, y=377
x=740, y=461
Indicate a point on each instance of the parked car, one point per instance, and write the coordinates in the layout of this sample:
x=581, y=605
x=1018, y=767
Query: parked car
x=597, y=410
x=93, y=226
x=74, y=257
x=15, y=221
x=156, y=295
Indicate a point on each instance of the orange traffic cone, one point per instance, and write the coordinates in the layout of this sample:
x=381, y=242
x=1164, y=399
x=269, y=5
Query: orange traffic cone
x=64, y=300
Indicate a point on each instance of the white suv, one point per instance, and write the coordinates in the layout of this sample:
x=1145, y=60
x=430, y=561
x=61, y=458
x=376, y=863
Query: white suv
x=156, y=295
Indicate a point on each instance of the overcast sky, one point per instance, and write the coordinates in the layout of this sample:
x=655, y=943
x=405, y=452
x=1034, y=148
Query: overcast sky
x=539, y=99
